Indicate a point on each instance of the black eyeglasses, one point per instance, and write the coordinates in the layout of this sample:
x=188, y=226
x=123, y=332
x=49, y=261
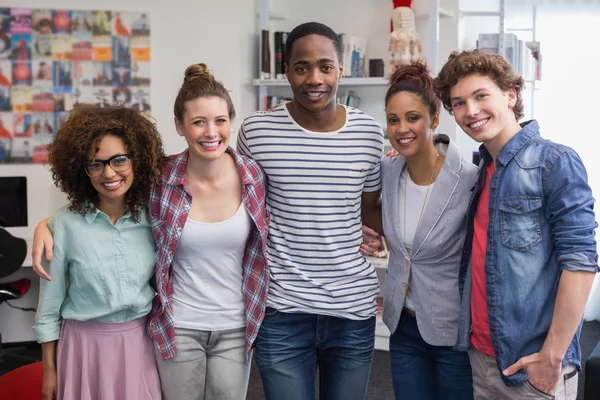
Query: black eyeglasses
x=118, y=163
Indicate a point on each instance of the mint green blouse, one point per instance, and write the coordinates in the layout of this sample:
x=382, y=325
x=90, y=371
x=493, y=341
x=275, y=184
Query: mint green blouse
x=99, y=271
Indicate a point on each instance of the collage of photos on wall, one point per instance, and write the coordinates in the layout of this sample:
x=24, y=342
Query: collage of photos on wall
x=52, y=60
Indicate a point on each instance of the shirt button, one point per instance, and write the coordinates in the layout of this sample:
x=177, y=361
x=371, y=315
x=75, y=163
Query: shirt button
x=518, y=207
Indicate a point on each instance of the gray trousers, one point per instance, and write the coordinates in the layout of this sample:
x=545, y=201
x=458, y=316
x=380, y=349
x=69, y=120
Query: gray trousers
x=488, y=385
x=208, y=365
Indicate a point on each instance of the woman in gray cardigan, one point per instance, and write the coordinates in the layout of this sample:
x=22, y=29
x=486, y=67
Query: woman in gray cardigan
x=426, y=190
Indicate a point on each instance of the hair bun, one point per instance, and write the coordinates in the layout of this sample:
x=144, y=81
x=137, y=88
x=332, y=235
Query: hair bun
x=197, y=71
x=415, y=71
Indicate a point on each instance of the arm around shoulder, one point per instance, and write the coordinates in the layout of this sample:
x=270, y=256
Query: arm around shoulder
x=52, y=293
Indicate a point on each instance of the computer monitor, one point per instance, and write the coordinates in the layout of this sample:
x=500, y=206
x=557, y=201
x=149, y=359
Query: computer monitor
x=13, y=201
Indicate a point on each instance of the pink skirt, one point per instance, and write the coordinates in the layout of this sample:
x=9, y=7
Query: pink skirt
x=106, y=361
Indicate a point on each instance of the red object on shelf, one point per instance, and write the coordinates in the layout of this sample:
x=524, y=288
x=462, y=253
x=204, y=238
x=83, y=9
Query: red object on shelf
x=399, y=3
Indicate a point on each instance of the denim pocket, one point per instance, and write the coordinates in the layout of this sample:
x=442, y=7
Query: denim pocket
x=520, y=222
x=271, y=313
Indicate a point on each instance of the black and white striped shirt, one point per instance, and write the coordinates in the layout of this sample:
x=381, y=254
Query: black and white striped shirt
x=315, y=182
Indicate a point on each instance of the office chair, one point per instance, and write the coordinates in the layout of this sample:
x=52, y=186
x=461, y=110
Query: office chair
x=23, y=383
x=12, y=254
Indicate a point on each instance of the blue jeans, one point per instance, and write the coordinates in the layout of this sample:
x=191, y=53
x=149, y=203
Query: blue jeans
x=421, y=371
x=290, y=346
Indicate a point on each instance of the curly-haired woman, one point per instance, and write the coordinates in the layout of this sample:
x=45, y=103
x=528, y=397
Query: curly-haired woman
x=210, y=223
x=95, y=307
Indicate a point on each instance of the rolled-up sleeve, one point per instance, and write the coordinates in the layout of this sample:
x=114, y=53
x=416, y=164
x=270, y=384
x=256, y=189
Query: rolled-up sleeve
x=52, y=293
x=571, y=214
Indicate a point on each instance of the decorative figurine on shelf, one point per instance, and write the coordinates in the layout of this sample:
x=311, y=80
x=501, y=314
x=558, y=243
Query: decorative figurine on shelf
x=405, y=47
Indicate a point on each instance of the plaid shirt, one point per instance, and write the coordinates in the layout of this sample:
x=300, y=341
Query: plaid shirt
x=169, y=206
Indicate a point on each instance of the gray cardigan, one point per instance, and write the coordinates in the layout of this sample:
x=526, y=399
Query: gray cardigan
x=437, y=246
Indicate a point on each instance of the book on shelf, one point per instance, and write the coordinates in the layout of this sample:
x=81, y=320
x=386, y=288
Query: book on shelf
x=523, y=56
x=278, y=56
x=281, y=71
x=273, y=54
x=537, y=56
x=353, y=55
x=354, y=49
x=265, y=70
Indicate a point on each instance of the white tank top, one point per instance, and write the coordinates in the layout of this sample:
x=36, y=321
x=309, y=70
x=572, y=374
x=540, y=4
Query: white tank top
x=207, y=274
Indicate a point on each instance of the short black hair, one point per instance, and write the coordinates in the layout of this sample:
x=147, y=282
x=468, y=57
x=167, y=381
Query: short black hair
x=312, y=28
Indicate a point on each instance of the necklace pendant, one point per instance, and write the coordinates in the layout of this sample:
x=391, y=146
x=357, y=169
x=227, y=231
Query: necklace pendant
x=405, y=289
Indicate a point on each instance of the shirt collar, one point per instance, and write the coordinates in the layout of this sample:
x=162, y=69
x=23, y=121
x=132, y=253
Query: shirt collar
x=528, y=130
x=245, y=174
x=91, y=216
x=177, y=170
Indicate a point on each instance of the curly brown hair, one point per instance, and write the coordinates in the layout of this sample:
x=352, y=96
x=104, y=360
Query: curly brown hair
x=414, y=78
x=85, y=126
x=465, y=63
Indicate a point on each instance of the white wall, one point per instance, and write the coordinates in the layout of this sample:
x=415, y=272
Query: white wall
x=183, y=32
x=220, y=34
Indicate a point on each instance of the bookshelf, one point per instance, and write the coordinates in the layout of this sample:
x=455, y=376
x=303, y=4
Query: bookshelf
x=343, y=82
x=506, y=42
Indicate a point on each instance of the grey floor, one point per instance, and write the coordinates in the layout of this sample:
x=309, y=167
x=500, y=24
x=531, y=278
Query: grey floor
x=380, y=385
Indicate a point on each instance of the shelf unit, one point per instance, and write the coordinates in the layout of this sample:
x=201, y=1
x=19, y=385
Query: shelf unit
x=532, y=85
x=422, y=13
x=343, y=82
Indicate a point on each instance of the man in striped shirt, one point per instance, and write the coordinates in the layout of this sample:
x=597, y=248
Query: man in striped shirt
x=322, y=164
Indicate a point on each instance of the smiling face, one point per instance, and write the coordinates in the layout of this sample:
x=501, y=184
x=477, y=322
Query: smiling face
x=314, y=72
x=483, y=110
x=409, y=124
x=111, y=186
x=206, y=127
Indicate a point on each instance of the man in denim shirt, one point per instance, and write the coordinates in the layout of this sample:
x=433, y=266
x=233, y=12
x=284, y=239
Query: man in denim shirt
x=530, y=254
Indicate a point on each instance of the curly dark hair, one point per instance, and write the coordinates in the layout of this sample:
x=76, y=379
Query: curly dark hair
x=465, y=63
x=85, y=126
x=414, y=78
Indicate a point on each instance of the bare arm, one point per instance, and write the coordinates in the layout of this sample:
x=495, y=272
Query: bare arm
x=573, y=291
x=49, y=367
x=371, y=211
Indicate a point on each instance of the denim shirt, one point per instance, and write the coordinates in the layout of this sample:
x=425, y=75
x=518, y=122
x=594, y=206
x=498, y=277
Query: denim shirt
x=541, y=222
